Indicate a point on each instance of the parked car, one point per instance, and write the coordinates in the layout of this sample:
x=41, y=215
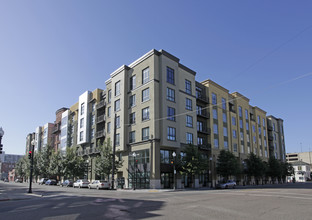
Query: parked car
x=42, y=181
x=99, y=184
x=19, y=180
x=67, y=183
x=226, y=185
x=81, y=183
x=51, y=182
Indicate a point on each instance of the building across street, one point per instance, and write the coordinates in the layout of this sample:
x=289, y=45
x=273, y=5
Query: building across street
x=156, y=108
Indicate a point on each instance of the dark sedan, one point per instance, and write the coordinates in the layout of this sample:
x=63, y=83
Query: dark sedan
x=51, y=182
x=67, y=183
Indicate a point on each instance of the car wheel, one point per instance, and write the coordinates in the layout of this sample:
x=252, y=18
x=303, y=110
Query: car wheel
x=97, y=188
x=79, y=186
x=226, y=186
x=89, y=187
x=234, y=186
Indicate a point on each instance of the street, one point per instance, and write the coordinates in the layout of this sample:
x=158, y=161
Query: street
x=280, y=201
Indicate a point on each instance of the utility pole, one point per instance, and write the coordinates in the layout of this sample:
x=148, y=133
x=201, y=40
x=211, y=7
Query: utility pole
x=31, y=157
x=114, y=152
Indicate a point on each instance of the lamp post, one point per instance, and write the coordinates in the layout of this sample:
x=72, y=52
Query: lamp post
x=33, y=142
x=174, y=170
x=134, y=177
x=87, y=165
x=1, y=135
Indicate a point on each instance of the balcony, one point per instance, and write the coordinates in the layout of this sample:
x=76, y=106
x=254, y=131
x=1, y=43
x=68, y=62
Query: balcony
x=204, y=131
x=57, y=128
x=204, y=147
x=101, y=104
x=270, y=127
x=100, y=119
x=203, y=114
x=202, y=98
x=270, y=137
x=95, y=150
x=100, y=134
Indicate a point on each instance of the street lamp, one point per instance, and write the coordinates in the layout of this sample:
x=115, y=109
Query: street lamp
x=174, y=170
x=1, y=134
x=134, y=177
x=33, y=142
x=87, y=163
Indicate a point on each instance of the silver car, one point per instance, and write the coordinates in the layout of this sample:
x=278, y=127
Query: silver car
x=226, y=185
x=81, y=183
x=99, y=184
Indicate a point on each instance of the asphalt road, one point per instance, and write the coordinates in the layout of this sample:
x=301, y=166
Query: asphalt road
x=287, y=202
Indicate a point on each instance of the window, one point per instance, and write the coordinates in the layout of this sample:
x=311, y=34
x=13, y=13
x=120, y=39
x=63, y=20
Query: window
x=108, y=127
x=240, y=111
x=117, y=139
x=223, y=103
x=132, y=83
x=188, y=104
x=171, y=134
x=81, y=123
x=216, y=143
x=93, y=106
x=263, y=122
x=145, y=133
x=189, y=121
x=214, y=98
x=273, y=126
x=259, y=120
x=264, y=132
x=274, y=137
x=82, y=107
x=109, y=96
x=199, y=110
x=260, y=142
x=225, y=133
x=241, y=136
x=188, y=87
x=198, y=92
x=214, y=114
x=145, y=95
x=109, y=111
x=117, y=122
x=246, y=114
x=254, y=139
x=145, y=76
x=171, y=114
x=233, y=120
x=200, y=126
x=200, y=140
x=241, y=123
x=235, y=147
x=117, y=88
x=234, y=134
x=170, y=75
x=226, y=145
x=145, y=114
x=242, y=148
x=92, y=119
x=224, y=117
x=189, y=138
x=265, y=143
x=131, y=136
x=81, y=136
x=117, y=105
x=247, y=126
x=253, y=129
x=165, y=156
x=170, y=94
x=132, y=101
x=259, y=129
x=132, y=118
x=215, y=128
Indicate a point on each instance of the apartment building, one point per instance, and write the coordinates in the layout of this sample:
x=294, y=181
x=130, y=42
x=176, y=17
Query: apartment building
x=153, y=108
x=276, y=138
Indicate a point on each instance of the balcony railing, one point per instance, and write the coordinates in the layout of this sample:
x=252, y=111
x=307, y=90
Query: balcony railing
x=100, y=134
x=270, y=127
x=204, y=146
x=270, y=137
x=56, y=128
x=202, y=98
x=101, y=104
x=100, y=119
x=204, y=114
x=204, y=131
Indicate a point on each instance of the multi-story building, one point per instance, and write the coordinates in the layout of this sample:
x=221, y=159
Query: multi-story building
x=7, y=164
x=276, y=138
x=303, y=156
x=153, y=108
x=56, y=132
x=302, y=172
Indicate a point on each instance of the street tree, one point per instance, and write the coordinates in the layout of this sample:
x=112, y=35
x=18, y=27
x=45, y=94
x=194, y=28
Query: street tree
x=228, y=164
x=255, y=167
x=23, y=167
x=104, y=161
x=73, y=165
x=56, y=164
x=193, y=162
x=274, y=168
x=43, y=161
x=286, y=170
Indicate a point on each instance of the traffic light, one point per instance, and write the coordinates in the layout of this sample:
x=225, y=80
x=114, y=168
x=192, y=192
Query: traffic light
x=171, y=162
x=1, y=148
x=29, y=155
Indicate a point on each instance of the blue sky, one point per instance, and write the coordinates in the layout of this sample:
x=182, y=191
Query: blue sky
x=53, y=51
